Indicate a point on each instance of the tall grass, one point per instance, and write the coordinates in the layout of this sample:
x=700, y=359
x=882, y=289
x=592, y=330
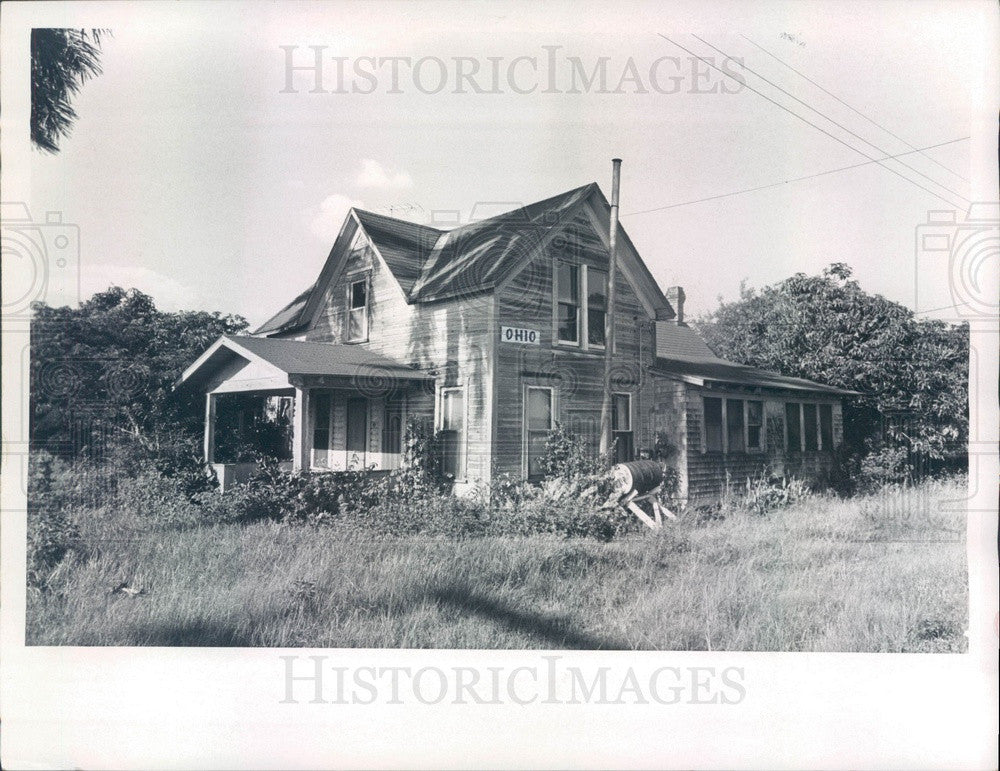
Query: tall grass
x=884, y=572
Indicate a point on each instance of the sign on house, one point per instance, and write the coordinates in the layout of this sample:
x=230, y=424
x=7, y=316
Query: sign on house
x=519, y=335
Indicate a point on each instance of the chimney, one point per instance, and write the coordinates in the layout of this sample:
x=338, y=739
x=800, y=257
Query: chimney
x=675, y=295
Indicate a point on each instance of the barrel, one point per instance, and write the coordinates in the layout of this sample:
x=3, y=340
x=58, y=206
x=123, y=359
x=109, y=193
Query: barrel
x=640, y=476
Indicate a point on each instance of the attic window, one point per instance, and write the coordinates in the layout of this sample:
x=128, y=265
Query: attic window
x=357, y=313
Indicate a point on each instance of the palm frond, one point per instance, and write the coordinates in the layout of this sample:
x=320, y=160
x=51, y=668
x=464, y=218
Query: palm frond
x=62, y=60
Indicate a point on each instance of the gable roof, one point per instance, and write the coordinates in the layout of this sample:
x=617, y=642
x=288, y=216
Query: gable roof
x=673, y=339
x=298, y=357
x=432, y=265
x=476, y=257
x=405, y=246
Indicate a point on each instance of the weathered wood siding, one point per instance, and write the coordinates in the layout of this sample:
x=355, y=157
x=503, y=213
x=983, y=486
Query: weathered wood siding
x=576, y=375
x=452, y=339
x=708, y=473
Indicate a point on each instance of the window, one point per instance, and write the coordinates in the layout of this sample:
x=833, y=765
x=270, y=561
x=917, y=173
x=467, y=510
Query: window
x=321, y=430
x=537, y=425
x=713, y=424
x=453, y=432
x=597, y=306
x=621, y=427
x=734, y=425
x=793, y=424
x=357, y=314
x=568, y=280
x=755, y=424
x=392, y=433
x=826, y=426
x=809, y=427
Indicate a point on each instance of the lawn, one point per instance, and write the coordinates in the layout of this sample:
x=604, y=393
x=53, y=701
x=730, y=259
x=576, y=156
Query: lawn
x=879, y=573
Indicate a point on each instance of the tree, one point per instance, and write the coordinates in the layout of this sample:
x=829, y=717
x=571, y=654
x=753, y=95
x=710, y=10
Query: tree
x=61, y=61
x=103, y=372
x=912, y=374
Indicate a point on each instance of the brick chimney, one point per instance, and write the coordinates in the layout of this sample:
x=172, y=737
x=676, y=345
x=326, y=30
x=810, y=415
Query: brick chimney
x=675, y=295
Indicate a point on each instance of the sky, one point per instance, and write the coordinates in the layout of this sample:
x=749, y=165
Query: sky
x=196, y=174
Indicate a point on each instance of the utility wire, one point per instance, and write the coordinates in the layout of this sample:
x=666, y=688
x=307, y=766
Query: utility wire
x=809, y=122
x=835, y=123
x=852, y=109
x=796, y=179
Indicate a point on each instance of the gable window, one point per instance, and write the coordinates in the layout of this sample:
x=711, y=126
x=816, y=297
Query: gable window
x=357, y=310
x=621, y=427
x=597, y=306
x=826, y=426
x=713, y=424
x=568, y=280
x=793, y=426
x=453, y=432
x=809, y=427
x=538, y=422
x=755, y=424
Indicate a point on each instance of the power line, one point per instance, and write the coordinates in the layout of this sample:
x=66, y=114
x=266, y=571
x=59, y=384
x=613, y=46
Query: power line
x=810, y=123
x=852, y=109
x=835, y=123
x=796, y=179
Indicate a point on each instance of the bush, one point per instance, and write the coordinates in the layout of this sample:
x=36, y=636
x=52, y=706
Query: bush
x=764, y=494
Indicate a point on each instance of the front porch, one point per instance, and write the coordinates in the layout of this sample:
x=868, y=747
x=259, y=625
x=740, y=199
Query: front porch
x=311, y=406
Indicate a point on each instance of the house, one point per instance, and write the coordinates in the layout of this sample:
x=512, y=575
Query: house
x=491, y=333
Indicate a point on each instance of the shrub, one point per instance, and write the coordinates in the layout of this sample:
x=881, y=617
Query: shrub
x=568, y=455
x=764, y=494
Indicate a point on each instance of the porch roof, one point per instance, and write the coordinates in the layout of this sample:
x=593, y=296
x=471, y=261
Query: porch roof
x=702, y=369
x=299, y=357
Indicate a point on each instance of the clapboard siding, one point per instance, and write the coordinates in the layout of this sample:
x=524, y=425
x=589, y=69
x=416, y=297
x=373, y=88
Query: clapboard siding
x=576, y=375
x=451, y=339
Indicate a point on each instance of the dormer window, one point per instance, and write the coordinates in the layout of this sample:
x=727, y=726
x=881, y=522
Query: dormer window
x=357, y=310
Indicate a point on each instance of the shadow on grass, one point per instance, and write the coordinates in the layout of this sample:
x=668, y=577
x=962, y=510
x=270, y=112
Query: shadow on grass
x=558, y=631
x=197, y=634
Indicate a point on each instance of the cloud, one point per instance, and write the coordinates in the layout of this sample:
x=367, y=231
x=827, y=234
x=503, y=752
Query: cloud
x=374, y=174
x=168, y=293
x=327, y=219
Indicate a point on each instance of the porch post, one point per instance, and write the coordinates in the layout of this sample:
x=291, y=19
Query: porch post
x=301, y=431
x=210, y=400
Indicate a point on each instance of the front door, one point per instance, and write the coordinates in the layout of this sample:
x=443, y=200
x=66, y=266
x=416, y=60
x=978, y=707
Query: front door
x=357, y=433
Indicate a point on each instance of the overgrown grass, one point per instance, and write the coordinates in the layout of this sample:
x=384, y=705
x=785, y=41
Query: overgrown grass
x=885, y=572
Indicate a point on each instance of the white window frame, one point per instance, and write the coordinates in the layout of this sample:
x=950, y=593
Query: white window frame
x=312, y=431
x=631, y=415
x=356, y=278
x=439, y=426
x=580, y=341
x=524, y=420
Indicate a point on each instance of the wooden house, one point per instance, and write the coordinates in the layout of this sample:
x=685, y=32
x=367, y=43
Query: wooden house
x=492, y=333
